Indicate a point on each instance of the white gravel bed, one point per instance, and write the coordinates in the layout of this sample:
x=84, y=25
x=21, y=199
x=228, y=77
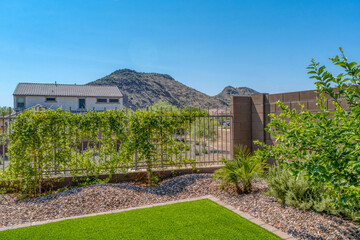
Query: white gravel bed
x=106, y=197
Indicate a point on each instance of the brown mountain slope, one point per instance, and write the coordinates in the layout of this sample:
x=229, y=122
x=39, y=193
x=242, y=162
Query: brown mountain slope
x=229, y=91
x=141, y=90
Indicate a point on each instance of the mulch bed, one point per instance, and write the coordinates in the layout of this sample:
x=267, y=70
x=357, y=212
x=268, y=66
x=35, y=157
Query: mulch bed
x=106, y=197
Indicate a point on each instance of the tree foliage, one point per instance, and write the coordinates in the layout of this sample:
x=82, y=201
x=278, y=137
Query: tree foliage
x=5, y=111
x=325, y=145
x=163, y=106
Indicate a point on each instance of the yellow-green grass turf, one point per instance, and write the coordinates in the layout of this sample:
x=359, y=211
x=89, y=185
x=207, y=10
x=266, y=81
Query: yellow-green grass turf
x=201, y=219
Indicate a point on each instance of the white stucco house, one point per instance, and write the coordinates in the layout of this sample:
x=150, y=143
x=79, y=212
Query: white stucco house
x=67, y=97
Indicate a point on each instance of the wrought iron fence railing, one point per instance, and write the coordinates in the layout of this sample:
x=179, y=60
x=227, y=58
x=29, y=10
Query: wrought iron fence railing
x=205, y=141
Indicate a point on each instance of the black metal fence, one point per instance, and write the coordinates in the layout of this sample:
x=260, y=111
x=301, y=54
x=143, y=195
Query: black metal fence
x=207, y=140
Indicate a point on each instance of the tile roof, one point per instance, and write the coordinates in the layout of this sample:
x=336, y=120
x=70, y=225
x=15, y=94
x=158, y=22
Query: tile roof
x=66, y=90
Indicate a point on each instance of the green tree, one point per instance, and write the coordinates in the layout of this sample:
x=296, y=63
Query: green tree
x=324, y=145
x=5, y=110
x=163, y=106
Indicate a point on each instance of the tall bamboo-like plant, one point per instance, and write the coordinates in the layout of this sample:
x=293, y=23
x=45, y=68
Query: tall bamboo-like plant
x=244, y=168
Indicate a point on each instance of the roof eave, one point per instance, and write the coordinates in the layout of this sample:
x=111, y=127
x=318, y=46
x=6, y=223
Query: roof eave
x=31, y=95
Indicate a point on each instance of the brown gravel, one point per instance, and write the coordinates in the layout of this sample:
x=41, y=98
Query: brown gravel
x=105, y=197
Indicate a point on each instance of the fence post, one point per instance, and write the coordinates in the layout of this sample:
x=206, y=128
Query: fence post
x=3, y=139
x=241, y=122
x=258, y=113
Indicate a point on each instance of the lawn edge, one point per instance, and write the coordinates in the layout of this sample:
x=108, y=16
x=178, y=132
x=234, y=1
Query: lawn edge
x=252, y=219
x=245, y=215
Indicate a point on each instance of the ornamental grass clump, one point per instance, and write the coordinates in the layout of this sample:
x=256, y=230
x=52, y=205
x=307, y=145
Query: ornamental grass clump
x=243, y=168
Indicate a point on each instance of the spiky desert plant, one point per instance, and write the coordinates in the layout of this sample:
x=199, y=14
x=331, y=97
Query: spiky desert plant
x=245, y=167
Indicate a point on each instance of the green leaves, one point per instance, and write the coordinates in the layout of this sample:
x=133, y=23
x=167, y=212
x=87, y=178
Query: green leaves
x=245, y=167
x=324, y=145
x=5, y=110
x=92, y=143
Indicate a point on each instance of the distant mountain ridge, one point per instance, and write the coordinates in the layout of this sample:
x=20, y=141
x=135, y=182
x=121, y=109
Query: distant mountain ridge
x=229, y=91
x=141, y=90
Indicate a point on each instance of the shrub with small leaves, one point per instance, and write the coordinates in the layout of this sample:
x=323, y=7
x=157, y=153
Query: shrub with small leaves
x=296, y=191
x=324, y=146
x=43, y=143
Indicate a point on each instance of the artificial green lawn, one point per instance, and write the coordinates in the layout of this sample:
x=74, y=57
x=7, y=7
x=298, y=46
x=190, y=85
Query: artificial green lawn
x=202, y=219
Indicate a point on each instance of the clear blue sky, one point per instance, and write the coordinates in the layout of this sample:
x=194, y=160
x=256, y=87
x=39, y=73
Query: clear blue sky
x=265, y=45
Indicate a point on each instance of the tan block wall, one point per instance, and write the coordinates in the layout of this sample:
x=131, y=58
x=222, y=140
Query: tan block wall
x=241, y=122
x=250, y=114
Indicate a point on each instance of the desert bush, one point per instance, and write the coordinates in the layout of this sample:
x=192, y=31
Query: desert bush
x=162, y=106
x=244, y=168
x=296, y=191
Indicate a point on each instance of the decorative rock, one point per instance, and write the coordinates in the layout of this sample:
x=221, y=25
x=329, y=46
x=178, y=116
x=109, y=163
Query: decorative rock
x=111, y=197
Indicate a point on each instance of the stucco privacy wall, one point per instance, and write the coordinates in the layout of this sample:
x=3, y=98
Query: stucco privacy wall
x=250, y=114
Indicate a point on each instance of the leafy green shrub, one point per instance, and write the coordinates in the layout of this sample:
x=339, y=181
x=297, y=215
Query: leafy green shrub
x=44, y=142
x=162, y=106
x=294, y=191
x=324, y=145
x=245, y=167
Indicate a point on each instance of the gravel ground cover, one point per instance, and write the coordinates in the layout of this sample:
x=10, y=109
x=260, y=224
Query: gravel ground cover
x=106, y=197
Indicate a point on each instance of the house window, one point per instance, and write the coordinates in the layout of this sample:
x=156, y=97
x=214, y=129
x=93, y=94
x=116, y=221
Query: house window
x=102, y=100
x=20, y=102
x=82, y=103
x=50, y=100
x=114, y=100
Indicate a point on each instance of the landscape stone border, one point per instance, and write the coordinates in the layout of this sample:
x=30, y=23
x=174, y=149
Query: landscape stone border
x=245, y=215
